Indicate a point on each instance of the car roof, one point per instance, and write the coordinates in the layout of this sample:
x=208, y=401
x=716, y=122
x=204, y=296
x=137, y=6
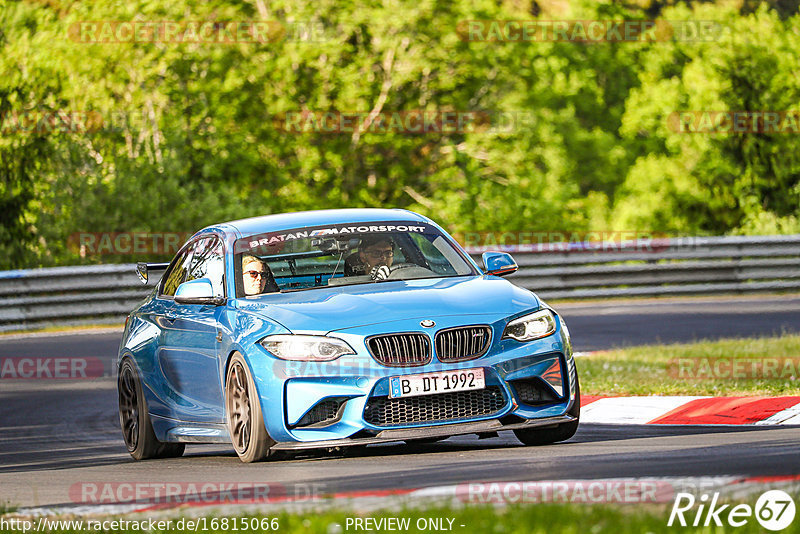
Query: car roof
x=300, y=219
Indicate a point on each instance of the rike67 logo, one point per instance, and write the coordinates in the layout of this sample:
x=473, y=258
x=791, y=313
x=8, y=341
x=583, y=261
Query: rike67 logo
x=774, y=510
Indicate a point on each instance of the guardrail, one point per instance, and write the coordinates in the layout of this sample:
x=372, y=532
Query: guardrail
x=659, y=267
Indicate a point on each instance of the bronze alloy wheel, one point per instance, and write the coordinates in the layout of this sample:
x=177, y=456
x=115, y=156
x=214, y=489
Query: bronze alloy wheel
x=243, y=408
x=238, y=408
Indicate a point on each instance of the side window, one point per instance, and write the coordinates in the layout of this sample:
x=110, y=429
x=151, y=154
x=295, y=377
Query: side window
x=177, y=273
x=208, y=262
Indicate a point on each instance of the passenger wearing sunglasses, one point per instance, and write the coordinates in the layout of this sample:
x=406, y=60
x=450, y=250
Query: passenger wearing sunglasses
x=257, y=277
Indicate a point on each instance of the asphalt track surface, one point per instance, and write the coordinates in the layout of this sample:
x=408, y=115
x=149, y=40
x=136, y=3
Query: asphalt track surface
x=55, y=434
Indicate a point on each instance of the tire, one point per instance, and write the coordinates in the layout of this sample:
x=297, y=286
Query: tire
x=137, y=429
x=243, y=413
x=562, y=432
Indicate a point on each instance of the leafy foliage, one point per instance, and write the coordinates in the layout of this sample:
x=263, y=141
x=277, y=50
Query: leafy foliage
x=191, y=134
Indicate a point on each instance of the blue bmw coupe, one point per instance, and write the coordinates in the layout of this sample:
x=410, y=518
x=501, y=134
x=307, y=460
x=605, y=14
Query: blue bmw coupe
x=337, y=328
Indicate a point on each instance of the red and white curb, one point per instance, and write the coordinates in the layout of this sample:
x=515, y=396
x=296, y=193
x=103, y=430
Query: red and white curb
x=688, y=410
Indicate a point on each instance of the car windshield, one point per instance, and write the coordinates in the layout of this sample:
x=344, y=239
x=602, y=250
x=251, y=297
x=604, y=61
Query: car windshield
x=345, y=254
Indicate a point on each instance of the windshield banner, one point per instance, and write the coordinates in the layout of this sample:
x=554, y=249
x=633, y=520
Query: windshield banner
x=348, y=229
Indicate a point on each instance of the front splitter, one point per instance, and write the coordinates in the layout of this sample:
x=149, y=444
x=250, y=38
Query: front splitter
x=400, y=434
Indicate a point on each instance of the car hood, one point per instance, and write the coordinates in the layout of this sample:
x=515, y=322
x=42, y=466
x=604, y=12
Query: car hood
x=336, y=308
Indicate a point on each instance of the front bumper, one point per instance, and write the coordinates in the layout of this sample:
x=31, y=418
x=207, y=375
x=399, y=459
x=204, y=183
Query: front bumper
x=289, y=391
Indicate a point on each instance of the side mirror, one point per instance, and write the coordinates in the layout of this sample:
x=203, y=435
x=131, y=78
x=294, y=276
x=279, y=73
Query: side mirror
x=141, y=272
x=143, y=269
x=498, y=263
x=198, y=291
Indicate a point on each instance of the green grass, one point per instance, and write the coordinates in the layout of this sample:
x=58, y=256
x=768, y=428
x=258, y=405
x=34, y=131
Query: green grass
x=520, y=519
x=484, y=519
x=655, y=369
x=6, y=508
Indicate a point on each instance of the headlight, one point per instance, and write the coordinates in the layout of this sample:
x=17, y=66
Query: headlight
x=306, y=348
x=530, y=327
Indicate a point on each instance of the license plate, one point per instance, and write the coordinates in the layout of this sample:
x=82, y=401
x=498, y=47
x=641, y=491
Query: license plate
x=432, y=383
